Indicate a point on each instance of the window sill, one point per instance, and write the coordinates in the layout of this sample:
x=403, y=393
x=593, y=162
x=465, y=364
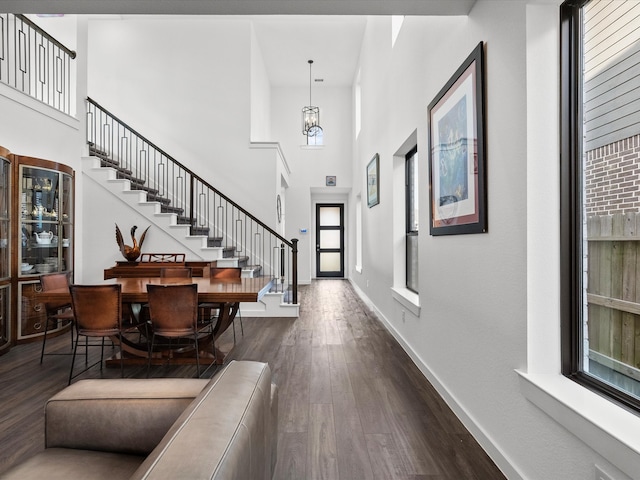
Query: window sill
x=408, y=299
x=607, y=428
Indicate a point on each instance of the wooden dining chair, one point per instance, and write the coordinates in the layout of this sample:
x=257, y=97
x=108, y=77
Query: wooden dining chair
x=56, y=312
x=167, y=272
x=176, y=272
x=98, y=314
x=173, y=311
x=229, y=272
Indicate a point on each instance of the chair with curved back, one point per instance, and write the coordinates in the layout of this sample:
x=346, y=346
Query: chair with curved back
x=173, y=311
x=56, y=311
x=167, y=272
x=98, y=314
x=177, y=272
x=229, y=272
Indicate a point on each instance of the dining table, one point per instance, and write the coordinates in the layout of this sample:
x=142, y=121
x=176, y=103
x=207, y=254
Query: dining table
x=225, y=293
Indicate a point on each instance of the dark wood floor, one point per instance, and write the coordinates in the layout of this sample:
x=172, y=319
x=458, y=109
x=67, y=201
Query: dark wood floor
x=352, y=403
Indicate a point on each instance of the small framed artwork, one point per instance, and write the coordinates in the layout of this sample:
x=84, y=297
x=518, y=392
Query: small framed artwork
x=373, y=181
x=331, y=180
x=457, y=181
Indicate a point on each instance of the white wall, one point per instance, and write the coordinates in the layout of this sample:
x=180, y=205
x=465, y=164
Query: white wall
x=37, y=130
x=98, y=231
x=260, y=94
x=471, y=333
x=183, y=82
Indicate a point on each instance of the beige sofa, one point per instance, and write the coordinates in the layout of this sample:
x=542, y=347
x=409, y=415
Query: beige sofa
x=224, y=428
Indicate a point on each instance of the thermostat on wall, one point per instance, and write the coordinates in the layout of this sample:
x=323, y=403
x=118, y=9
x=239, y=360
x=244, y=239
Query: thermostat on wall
x=303, y=230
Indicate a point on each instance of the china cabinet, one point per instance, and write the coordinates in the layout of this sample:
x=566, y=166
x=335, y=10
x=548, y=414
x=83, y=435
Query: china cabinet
x=5, y=250
x=44, y=235
x=36, y=237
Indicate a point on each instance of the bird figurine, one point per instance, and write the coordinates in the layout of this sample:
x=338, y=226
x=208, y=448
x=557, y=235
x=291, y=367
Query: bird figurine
x=131, y=253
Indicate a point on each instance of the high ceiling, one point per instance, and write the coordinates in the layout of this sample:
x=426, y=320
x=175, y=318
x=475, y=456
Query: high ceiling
x=290, y=32
x=243, y=7
x=289, y=42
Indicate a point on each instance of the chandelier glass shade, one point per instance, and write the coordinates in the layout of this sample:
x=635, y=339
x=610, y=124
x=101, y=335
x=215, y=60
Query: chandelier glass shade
x=310, y=114
x=310, y=119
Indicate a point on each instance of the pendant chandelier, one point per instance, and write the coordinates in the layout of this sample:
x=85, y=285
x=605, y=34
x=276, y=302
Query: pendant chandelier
x=310, y=114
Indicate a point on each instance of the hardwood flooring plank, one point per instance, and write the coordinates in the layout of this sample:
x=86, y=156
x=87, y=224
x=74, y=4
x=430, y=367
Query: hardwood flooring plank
x=282, y=366
x=332, y=333
x=353, y=457
x=294, y=401
x=320, y=388
x=323, y=455
x=385, y=462
x=368, y=401
x=289, y=336
x=472, y=460
x=350, y=347
x=292, y=457
x=398, y=393
x=336, y=355
x=413, y=445
x=303, y=345
x=341, y=388
x=319, y=334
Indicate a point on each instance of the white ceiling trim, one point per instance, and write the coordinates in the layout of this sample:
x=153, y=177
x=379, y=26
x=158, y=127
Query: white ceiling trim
x=242, y=7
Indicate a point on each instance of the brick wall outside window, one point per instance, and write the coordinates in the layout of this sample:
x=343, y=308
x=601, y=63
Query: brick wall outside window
x=612, y=178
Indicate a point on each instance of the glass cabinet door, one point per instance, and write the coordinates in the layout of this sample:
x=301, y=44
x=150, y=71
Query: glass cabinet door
x=46, y=221
x=5, y=250
x=5, y=183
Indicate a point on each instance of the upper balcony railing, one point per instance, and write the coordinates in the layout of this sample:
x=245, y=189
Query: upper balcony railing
x=34, y=62
x=195, y=202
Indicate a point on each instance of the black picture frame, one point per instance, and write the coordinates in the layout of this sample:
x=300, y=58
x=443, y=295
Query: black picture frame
x=457, y=161
x=373, y=181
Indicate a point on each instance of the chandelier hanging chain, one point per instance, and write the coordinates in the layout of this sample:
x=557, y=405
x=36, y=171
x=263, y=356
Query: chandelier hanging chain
x=310, y=64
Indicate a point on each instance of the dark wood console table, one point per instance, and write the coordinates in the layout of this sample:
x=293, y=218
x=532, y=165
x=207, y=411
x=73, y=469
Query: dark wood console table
x=152, y=269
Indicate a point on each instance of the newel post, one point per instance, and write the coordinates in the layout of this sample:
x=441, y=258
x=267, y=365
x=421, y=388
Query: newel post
x=191, y=203
x=294, y=268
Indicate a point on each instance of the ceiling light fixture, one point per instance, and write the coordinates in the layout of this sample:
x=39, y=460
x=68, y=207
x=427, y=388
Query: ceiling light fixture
x=310, y=114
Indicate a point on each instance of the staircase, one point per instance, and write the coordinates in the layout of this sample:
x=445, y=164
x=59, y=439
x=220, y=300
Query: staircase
x=122, y=179
x=208, y=224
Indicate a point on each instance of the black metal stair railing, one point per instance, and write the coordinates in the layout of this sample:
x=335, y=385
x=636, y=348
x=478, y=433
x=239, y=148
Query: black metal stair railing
x=206, y=210
x=34, y=62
